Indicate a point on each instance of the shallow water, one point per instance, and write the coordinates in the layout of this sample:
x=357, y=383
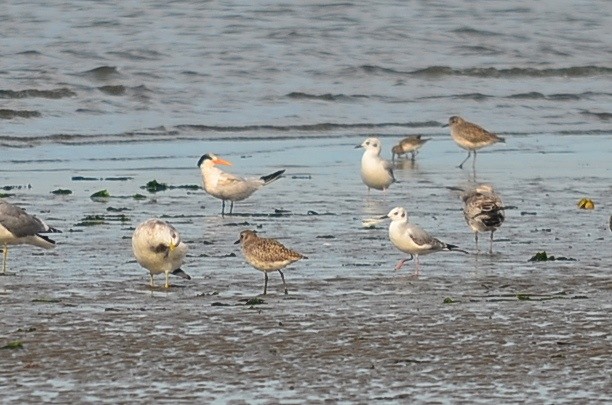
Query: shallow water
x=122, y=96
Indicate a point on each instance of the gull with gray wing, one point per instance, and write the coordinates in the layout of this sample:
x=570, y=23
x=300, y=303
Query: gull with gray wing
x=18, y=227
x=412, y=239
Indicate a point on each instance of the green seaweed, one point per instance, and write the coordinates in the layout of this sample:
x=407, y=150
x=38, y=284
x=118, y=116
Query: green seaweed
x=139, y=197
x=83, y=178
x=543, y=257
x=523, y=297
x=254, y=301
x=91, y=220
x=153, y=186
x=100, y=195
x=61, y=191
x=16, y=344
x=449, y=300
x=113, y=209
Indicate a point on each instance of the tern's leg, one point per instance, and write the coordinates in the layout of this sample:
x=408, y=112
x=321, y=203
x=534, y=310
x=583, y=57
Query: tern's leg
x=151, y=282
x=265, y=283
x=474, y=162
x=476, y=239
x=491, y=244
x=465, y=160
x=5, y=255
x=167, y=281
x=222, y=208
x=231, y=207
x=284, y=285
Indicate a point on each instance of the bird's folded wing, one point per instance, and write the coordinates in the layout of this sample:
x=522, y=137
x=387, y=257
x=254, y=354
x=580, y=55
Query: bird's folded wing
x=18, y=222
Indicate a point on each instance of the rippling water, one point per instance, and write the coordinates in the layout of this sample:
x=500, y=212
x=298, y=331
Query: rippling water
x=97, y=71
x=109, y=95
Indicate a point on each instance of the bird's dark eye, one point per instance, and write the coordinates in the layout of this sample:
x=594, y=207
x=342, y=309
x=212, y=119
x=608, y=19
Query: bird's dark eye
x=367, y=143
x=374, y=144
x=403, y=215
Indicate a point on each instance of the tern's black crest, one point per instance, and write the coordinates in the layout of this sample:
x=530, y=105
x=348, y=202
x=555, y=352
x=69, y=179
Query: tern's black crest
x=203, y=158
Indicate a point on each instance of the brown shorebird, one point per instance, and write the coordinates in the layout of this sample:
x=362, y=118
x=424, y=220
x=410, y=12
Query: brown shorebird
x=483, y=211
x=470, y=137
x=267, y=255
x=411, y=145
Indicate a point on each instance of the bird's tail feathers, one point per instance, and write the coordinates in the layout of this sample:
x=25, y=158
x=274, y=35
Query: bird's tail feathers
x=180, y=273
x=271, y=177
x=52, y=230
x=41, y=241
x=455, y=248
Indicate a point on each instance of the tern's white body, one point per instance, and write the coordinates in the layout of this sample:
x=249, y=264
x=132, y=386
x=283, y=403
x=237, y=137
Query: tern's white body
x=229, y=187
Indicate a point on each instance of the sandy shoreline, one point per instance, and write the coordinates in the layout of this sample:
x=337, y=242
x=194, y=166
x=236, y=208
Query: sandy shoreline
x=351, y=328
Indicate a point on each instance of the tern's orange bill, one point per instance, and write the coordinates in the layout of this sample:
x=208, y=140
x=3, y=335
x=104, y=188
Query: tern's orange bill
x=219, y=161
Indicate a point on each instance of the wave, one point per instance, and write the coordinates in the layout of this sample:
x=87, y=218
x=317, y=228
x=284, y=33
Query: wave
x=10, y=114
x=533, y=95
x=604, y=116
x=325, y=97
x=491, y=72
x=194, y=132
x=35, y=93
x=324, y=126
x=101, y=73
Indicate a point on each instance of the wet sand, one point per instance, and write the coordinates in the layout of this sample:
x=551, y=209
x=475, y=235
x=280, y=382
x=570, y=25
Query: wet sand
x=472, y=329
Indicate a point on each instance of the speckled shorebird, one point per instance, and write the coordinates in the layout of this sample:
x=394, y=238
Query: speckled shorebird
x=226, y=186
x=412, y=239
x=470, y=137
x=267, y=255
x=158, y=248
x=376, y=172
x=17, y=227
x=483, y=211
x=411, y=145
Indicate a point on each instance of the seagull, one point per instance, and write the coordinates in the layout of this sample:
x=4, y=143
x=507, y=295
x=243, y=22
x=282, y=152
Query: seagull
x=17, y=227
x=483, y=211
x=411, y=145
x=226, y=186
x=376, y=172
x=267, y=255
x=412, y=239
x=470, y=136
x=158, y=248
